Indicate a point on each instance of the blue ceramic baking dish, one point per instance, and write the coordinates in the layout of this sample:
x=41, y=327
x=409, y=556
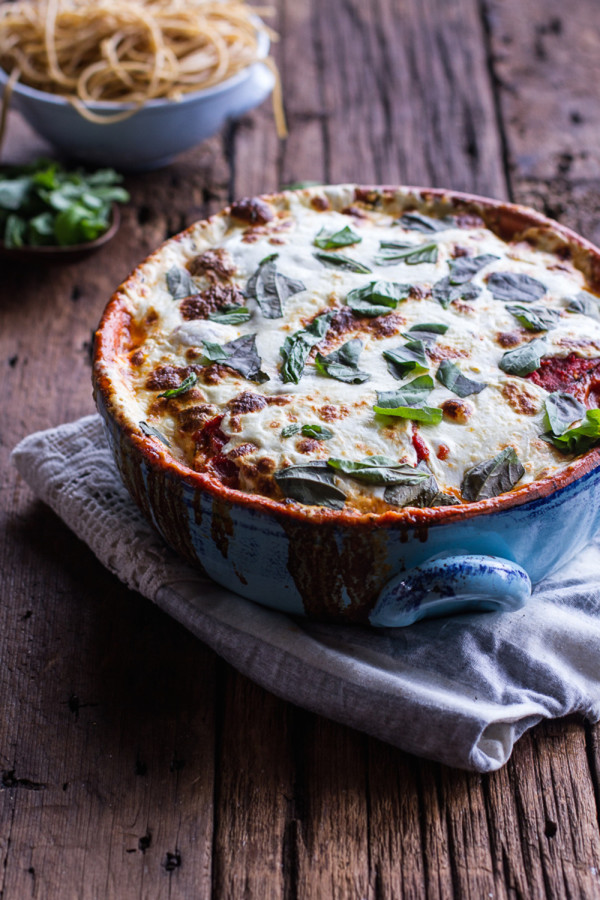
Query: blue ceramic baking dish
x=387, y=570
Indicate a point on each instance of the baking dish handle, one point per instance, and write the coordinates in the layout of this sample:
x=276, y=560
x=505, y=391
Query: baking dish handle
x=451, y=585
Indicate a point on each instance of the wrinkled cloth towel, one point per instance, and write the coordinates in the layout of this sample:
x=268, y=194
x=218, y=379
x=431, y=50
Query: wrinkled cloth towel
x=460, y=690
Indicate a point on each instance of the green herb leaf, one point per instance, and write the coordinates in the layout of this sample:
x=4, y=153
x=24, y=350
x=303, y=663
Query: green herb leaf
x=442, y=499
x=524, y=359
x=562, y=411
x=271, y=289
x=407, y=358
x=317, y=432
x=240, y=355
x=465, y=267
x=492, y=477
x=150, y=431
x=342, y=364
x=451, y=377
x=378, y=298
x=413, y=394
x=514, y=287
x=337, y=261
x=427, y=332
x=446, y=293
x=290, y=430
x=415, y=221
x=312, y=484
x=180, y=283
x=379, y=470
x=231, y=315
x=411, y=254
x=535, y=318
x=296, y=348
x=419, y=495
x=183, y=388
x=15, y=230
x=14, y=192
x=586, y=304
x=428, y=415
x=579, y=439
x=331, y=240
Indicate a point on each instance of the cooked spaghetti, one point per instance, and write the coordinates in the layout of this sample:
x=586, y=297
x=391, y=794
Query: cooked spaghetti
x=128, y=51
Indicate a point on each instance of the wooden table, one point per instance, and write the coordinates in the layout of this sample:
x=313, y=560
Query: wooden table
x=133, y=761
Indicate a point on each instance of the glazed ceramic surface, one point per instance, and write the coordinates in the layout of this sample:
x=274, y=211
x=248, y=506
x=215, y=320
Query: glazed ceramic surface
x=387, y=570
x=387, y=576
x=157, y=132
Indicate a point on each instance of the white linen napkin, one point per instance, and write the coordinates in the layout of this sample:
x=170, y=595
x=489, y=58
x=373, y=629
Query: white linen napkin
x=460, y=690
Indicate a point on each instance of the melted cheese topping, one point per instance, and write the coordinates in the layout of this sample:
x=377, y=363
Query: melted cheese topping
x=508, y=412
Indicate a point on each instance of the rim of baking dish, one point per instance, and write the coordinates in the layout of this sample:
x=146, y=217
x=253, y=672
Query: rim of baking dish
x=507, y=220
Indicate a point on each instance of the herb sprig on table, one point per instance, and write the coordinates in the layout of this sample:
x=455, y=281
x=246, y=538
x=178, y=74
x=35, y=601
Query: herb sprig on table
x=44, y=204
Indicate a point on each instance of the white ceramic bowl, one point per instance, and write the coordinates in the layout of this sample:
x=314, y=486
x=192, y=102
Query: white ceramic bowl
x=157, y=132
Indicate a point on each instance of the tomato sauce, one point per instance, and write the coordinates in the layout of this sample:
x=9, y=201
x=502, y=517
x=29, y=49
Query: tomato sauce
x=420, y=446
x=572, y=374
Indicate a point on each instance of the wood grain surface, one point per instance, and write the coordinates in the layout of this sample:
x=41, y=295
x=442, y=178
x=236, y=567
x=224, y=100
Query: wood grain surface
x=133, y=762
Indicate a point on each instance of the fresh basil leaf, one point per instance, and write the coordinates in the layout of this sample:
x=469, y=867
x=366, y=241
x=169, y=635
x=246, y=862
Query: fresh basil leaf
x=524, y=359
x=300, y=185
x=296, y=348
x=337, y=261
x=492, y=477
x=428, y=415
x=312, y=484
x=411, y=254
x=415, y=221
x=231, y=315
x=14, y=192
x=420, y=494
x=407, y=358
x=342, y=364
x=443, y=499
x=515, y=287
x=183, y=388
x=378, y=298
x=40, y=230
x=586, y=304
x=464, y=268
x=15, y=230
x=413, y=394
x=331, y=240
x=535, y=318
x=378, y=470
x=317, y=432
x=150, y=431
x=290, y=430
x=562, y=411
x=271, y=289
x=180, y=283
x=239, y=354
x=446, y=293
x=451, y=377
x=579, y=439
x=426, y=331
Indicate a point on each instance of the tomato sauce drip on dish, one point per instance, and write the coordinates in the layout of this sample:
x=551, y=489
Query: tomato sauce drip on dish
x=211, y=441
x=421, y=448
x=571, y=374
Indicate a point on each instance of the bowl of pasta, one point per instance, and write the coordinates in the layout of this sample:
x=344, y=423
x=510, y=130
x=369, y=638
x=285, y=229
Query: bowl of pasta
x=132, y=84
